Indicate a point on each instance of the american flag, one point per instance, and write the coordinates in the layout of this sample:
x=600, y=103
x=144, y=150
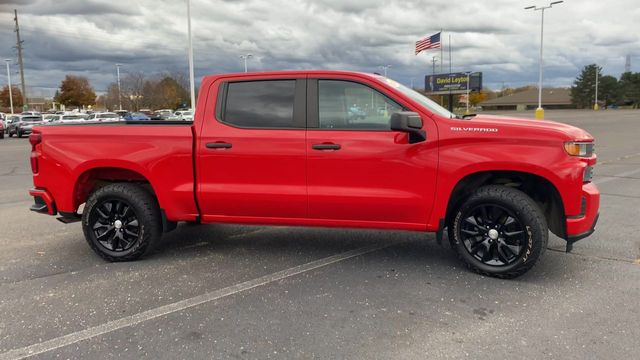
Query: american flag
x=430, y=42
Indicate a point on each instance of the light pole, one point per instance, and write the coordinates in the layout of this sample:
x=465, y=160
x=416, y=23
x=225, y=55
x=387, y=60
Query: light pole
x=468, y=74
x=595, y=105
x=119, y=90
x=9, y=80
x=434, y=59
x=540, y=110
x=192, y=85
x=245, y=57
x=384, y=68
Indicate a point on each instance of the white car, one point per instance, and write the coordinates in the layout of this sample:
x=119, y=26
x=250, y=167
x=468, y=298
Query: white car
x=68, y=119
x=103, y=116
x=185, y=115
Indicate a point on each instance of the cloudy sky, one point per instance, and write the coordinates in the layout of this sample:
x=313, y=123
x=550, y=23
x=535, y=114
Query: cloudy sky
x=497, y=37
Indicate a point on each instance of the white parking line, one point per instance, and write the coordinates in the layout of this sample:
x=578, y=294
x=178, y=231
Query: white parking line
x=131, y=320
x=609, y=178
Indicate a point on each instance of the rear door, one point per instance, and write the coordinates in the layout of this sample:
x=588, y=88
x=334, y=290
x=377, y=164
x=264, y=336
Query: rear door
x=360, y=173
x=251, y=152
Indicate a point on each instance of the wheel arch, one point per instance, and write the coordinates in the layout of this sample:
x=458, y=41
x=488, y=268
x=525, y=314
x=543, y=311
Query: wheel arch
x=540, y=189
x=91, y=179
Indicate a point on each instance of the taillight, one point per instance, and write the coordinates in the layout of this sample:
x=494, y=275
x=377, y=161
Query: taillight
x=34, y=139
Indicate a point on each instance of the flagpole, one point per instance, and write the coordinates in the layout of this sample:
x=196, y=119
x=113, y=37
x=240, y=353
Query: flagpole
x=441, y=52
x=450, y=70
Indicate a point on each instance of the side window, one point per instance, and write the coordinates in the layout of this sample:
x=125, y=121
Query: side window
x=260, y=104
x=349, y=105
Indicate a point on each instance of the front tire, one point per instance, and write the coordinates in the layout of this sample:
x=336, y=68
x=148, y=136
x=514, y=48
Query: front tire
x=120, y=221
x=499, y=231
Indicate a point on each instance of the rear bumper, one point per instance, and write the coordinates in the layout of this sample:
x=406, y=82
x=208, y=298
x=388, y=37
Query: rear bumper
x=43, y=202
x=581, y=226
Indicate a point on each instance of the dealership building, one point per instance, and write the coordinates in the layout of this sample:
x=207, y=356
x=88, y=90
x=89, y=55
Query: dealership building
x=552, y=98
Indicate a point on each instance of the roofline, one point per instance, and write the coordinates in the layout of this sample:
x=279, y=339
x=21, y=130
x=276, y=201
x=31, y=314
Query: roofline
x=289, y=73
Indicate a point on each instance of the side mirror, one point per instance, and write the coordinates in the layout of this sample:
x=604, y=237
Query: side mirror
x=411, y=123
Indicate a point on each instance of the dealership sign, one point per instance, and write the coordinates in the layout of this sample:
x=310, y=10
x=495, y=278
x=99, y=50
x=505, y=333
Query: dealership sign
x=453, y=82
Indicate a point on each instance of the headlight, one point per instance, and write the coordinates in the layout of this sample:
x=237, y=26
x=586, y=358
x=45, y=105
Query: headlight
x=575, y=148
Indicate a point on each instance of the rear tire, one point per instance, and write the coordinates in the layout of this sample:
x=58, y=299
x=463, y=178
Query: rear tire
x=499, y=231
x=120, y=221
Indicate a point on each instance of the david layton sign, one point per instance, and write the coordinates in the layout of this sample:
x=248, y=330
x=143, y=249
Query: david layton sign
x=454, y=82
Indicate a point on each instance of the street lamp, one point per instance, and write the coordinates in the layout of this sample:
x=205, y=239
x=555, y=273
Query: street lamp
x=119, y=91
x=595, y=105
x=9, y=80
x=384, y=68
x=191, y=74
x=540, y=110
x=245, y=58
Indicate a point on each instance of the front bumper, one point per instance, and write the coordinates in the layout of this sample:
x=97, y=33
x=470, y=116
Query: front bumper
x=43, y=202
x=581, y=226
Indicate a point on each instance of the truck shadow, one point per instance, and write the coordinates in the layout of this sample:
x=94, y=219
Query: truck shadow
x=411, y=250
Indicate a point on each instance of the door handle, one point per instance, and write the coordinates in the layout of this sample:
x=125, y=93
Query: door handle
x=218, y=145
x=326, y=146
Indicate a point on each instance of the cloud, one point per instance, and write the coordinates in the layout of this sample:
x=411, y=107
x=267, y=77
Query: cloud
x=499, y=38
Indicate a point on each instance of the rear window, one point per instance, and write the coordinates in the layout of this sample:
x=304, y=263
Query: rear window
x=260, y=104
x=108, y=116
x=31, y=118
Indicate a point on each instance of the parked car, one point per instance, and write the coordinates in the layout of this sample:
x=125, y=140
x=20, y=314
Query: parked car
x=30, y=113
x=49, y=118
x=22, y=124
x=136, y=116
x=497, y=184
x=121, y=113
x=186, y=115
x=103, y=116
x=70, y=118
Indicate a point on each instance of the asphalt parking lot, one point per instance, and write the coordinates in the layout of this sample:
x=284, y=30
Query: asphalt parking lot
x=228, y=291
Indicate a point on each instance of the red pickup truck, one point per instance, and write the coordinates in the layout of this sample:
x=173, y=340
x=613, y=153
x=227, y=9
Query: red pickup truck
x=323, y=148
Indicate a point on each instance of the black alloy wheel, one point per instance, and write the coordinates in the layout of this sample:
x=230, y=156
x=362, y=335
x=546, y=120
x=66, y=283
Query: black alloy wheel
x=498, y=231
x=121, y=220
x=115, y=225
x=493, y=234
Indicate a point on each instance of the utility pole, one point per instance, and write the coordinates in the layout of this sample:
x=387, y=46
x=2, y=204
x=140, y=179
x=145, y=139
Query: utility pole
x=19, y=47
x=433, y=61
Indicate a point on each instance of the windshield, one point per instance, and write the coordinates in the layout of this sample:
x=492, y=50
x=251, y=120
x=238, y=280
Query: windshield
x=419, y=98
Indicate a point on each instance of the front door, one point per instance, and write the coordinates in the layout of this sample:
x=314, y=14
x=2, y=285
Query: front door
x=251, y=154
x=361, y=173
